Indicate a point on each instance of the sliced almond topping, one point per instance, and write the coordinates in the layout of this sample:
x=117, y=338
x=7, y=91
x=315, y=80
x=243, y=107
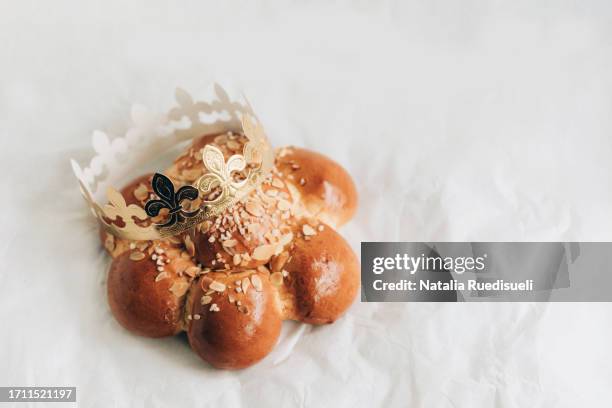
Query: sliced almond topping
x=237, y=259
x=141, y=193
x=285, y=273
x=231, y=298
x=161, y=275
x=191, y=174
x=221, y=139
x=196, y=316
x=137, y=256
x=205, y=282
x=229, y=243
x=263, y=269
x=245, y=284
x=179, y=288
x=286, y=239
x=217, y=286
x=214, y=308
x=232, y=144
x=205, y=226
x=206, y=299
x=308, y=230
x=279, y=261
x=283, y=205
x=109, y=242
x=302, y=181
x=321, y=227
x=211, y=239
x=256, y=281
x=264, y=252
x=254, y=208
x=189, y=245
x=253, y=228
x=192, y=271
x=276, y=278
x=277, y=183
x=174, y=239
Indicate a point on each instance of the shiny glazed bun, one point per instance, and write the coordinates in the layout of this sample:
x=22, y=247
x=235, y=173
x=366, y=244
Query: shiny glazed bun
x=231, y=281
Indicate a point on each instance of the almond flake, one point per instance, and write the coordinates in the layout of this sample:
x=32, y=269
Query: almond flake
x=141, y=193
x=245, y=284
x=211, y=239
x=221, y=139
x=229, y=243
x=286, y=239
x=277, y=183
x=192, y=271
x=233, y=145
x=263, y=269
x=179, y=288
x=173, y=239
x=237, y=259
x=285, y=273
x=321, y=227
x=231, y=298
x=191, y=174
x=276, y=278
x=214, y=308
x=283, y=205
x=196, y=316
x=308, y=230
x=264, y=252
x=254, y=208
x=302, y=181
x=109, y=242
x=137, y=256
x=189, y=245
x=218, y=286
x=279, y=261
x=161, y=275
x=206, y=300
x=256, y=281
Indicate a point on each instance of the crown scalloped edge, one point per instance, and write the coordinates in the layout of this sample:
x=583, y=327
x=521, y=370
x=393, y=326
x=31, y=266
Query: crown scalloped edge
x=151, y=134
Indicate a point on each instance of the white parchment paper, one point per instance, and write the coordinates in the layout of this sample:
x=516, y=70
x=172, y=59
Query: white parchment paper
x=458, y=120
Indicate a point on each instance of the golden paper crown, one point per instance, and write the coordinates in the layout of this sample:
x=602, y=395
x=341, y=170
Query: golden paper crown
x=152, y=134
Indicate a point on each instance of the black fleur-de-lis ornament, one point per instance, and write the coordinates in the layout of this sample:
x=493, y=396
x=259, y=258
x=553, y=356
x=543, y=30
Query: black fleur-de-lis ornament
x=164, y=189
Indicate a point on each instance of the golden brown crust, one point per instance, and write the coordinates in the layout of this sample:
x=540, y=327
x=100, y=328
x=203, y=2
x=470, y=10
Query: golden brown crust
x=326, y=190
x=233, y=329
x=323, y=276
x=142, y=299
x=231, y=281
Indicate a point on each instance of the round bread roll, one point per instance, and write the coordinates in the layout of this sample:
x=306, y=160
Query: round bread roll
x=325, y=189
x=321, y=276
x=233, y=320
x=147, y=287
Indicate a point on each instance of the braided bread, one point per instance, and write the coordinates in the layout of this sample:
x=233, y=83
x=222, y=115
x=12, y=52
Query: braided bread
x=231, y=281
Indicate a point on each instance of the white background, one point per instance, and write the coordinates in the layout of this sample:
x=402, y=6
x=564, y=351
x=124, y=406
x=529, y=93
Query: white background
x=470, y=120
